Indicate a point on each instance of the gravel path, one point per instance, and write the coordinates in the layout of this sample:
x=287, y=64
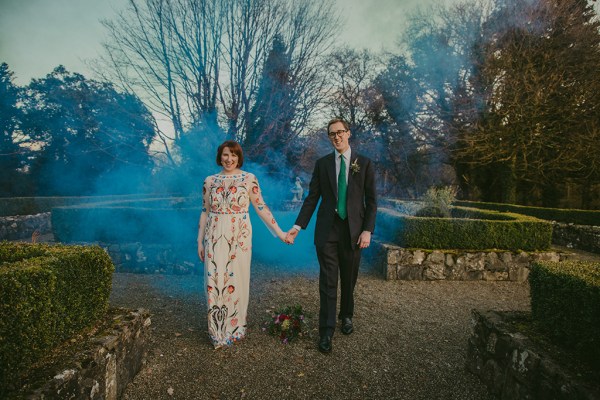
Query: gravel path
x=409, y=342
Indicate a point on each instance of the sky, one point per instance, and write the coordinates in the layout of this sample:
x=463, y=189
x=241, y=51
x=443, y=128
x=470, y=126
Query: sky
x=38, y=35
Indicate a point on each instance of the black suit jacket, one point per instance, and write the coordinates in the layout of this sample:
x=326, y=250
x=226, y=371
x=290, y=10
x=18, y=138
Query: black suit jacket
x=361, y=198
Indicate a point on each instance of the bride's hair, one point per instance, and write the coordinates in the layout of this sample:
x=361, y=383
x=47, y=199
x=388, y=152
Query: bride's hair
x=235, y=149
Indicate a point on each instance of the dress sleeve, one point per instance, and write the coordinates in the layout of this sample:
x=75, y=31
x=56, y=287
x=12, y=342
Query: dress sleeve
x=261, y=208
x=206, y=195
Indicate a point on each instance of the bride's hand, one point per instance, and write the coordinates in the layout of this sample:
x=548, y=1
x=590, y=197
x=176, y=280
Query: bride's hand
x=201, y=251
x=283, y=236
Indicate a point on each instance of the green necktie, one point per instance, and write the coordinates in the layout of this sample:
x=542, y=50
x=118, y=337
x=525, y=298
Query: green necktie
x=342, y=190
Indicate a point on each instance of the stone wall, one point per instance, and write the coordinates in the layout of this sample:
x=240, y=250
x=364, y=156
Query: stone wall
x=513, y=367
x=23, y=226
x=457, y=265
x=104, y=369
x=583, y=237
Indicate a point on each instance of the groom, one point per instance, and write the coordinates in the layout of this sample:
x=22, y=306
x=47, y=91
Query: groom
x=345, y=182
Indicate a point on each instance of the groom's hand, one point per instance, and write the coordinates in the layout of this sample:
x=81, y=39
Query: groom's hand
x=364, y=240
x=291, y=235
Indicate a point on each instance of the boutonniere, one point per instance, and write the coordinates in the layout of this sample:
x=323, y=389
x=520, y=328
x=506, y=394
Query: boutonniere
x=354, y=167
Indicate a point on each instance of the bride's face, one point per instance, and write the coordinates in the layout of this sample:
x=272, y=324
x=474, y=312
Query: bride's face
x=229, y=160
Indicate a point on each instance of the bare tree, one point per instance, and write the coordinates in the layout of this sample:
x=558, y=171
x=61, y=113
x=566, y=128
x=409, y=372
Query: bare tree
x=352, y=74
x=195, y=61
x=168, y=52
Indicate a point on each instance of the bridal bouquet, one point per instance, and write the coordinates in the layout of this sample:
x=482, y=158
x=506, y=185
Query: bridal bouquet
x=286, y=323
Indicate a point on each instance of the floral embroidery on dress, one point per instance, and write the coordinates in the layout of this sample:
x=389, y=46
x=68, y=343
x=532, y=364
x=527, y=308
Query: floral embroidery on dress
x=227, y=241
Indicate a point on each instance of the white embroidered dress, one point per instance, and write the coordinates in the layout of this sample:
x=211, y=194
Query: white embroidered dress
x=228, y=251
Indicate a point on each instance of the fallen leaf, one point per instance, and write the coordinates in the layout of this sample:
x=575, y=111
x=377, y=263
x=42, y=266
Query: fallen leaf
x=301, y=374
x=170, y=391
x=177, y=334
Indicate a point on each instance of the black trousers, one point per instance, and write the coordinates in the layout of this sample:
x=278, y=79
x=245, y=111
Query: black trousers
x=337, y=257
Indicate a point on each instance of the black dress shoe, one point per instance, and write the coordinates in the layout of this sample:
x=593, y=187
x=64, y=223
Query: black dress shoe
x=325, y=344
x=347, y=327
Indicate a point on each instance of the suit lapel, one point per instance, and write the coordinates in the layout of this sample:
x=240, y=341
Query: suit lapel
x=331, y=173
x=351, y=175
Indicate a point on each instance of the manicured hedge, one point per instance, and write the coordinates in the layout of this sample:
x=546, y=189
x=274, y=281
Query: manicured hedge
x=47, y=293
x=471, y=229
x=579, y=217
x=162, y=220
x=35, y=205
x=565, y=304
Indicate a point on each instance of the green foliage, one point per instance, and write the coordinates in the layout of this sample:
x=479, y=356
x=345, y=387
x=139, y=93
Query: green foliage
x=47, y=293
x=273, y=113
x=433, y=211
x=13, y=252
x=11, y=179
x=579, y=217
x=146, y=221
x=471, y=229
x=437, y=201
x=565, y=303
x=90, y=133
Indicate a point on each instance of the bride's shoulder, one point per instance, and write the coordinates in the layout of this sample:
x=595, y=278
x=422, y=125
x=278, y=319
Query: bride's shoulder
x=248, y=175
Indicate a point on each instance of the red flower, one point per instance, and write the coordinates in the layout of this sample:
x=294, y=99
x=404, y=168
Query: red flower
x=233, y=256
x=209, y=288
x=234, y=321
x=255, y=189
x=233, y=189
x=231, y=289
x=220, y=189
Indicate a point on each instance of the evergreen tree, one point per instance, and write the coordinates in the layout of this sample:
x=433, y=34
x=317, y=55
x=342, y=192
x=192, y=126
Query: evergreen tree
x=90, y=137
x=10, y=152
x=272, y=115
x=539, y=119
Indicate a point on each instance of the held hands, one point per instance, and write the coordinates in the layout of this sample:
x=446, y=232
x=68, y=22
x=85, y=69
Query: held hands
x=291, y=235
x=364, y=240
x=283, y=236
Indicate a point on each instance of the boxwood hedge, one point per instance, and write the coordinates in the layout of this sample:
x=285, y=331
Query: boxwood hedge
x=47, y=293
x=157, y=220
x=468, y=229
x=579, y=217
x=36, y=205
x=565, y=304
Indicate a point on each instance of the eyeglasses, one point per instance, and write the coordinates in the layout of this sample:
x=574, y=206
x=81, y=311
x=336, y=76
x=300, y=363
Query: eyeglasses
x=336, y=133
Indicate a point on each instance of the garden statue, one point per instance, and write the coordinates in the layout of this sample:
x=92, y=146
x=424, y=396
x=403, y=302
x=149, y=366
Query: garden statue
x=297, y=190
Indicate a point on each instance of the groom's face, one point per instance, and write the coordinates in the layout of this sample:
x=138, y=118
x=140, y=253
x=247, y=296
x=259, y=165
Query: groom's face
x=339, y=135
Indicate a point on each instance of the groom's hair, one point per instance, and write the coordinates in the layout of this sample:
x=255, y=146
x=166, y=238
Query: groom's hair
x=335, y=120
x=235, y=149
